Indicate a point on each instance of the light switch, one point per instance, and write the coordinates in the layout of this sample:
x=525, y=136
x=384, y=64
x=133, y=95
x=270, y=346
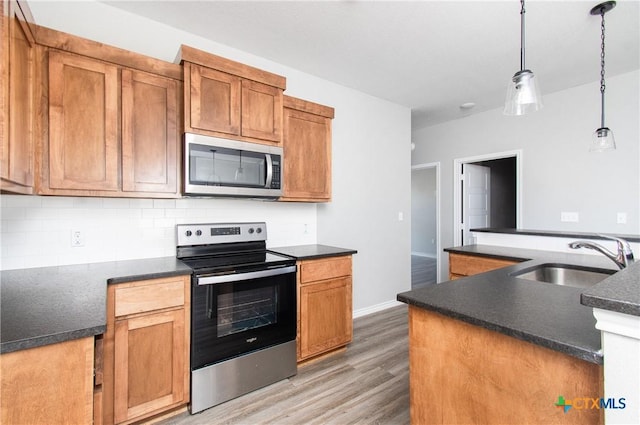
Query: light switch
x=569, y=217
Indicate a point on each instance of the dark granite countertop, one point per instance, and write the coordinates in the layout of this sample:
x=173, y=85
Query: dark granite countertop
x=541, y=313
x=42, y=306
x=307, y=252
x=619, y=293
x=554, y=233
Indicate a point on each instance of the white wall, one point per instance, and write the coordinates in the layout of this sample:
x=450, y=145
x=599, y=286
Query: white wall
x=363, y=214
x=423, y=212
x=559, y=173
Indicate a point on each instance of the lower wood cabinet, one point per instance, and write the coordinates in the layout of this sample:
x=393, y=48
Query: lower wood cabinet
x=325, y=312
x=462, y=265
x=51, y=384
x=146, y=349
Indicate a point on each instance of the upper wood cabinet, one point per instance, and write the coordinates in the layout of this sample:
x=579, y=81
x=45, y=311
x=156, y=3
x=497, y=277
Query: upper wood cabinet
x=110, y=129
x=83, y=124
x=17, y=101
x=228, y=99
x=307, y=151
x=150, y=133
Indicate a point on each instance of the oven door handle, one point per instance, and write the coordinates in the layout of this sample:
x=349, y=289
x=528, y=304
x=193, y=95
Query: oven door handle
x=234, y=277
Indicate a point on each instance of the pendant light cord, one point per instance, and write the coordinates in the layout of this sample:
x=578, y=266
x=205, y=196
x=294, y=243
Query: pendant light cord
x=522, y=12
x=602, y=85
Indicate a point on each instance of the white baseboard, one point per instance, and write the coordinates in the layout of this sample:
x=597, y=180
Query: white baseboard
x=424, y=254
x=375, y=308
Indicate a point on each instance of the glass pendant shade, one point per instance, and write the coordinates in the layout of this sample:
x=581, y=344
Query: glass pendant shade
x=523, y=94
x=602, y=140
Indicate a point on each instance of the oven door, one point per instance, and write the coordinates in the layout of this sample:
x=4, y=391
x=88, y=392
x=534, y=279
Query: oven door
x=238, y=313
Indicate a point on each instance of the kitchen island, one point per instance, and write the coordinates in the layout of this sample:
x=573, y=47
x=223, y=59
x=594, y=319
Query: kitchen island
x=494, y=348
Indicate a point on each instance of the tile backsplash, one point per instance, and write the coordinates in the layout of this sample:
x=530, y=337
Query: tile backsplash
x=37, y=230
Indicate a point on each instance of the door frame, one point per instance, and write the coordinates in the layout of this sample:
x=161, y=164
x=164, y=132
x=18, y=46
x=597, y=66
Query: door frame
x=457, y=192
x=425, y=166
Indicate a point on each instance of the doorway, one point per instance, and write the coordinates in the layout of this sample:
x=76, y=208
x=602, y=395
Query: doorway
x=487, y=193
x=425, y=224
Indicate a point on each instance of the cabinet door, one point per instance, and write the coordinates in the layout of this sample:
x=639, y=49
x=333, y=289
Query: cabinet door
x=461, y=265
x=83, y=123
x=325, y=316
x=150, y=136
x=261, y=111
x=214, y=100
x=150, y=359
x=16, y=122
x=307, y=156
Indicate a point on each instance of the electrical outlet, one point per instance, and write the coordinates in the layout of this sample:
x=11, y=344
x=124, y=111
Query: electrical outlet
x=622, y=218
x=570, y=217
x=77, y=238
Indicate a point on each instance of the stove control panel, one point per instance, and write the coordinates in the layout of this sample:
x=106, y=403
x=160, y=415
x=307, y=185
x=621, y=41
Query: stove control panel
x=212, y=233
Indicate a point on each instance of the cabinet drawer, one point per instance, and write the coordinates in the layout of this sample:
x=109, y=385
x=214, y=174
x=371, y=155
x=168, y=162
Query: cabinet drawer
x=467, y=265
x=325, y=268
x=149, y=295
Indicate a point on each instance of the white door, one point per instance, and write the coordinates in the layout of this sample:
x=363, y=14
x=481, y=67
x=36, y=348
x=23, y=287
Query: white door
x=476, y=191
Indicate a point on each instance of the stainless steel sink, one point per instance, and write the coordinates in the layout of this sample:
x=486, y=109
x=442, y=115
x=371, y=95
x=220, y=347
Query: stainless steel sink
x=564, y=274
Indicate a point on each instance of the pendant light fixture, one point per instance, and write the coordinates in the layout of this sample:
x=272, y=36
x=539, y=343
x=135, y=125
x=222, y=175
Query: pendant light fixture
x=603, y=139
x=523, y=93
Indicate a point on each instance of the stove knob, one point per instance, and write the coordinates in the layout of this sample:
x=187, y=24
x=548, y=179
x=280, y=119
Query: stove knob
x=198, y=232
x=188, y=233
x=259, y=230
x=251, y=230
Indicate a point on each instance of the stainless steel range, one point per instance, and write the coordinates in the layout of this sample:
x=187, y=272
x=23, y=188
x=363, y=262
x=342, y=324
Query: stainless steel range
x=243, y=304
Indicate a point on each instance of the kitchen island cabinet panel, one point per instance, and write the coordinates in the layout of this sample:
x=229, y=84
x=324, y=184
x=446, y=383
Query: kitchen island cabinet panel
x=48, y=384
x=462, y=373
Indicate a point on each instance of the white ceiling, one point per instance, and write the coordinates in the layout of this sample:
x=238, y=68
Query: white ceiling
x=430, y=56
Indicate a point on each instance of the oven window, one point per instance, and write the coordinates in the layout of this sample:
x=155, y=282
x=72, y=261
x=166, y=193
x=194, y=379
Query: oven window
x=243, y=310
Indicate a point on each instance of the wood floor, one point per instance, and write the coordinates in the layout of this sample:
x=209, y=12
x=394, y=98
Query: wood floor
x=423, y=271
x=368, y=383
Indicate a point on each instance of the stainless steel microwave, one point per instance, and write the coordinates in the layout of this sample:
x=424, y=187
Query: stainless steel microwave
x=223, y=167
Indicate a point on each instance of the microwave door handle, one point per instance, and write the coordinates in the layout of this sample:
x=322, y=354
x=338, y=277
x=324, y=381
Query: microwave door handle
x=269, y=171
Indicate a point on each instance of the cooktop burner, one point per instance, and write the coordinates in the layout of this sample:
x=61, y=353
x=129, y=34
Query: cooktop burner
x=226, y=247
x=236, y=262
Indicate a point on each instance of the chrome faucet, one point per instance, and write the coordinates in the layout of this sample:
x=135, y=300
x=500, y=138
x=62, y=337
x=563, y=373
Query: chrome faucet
x=623, y=258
